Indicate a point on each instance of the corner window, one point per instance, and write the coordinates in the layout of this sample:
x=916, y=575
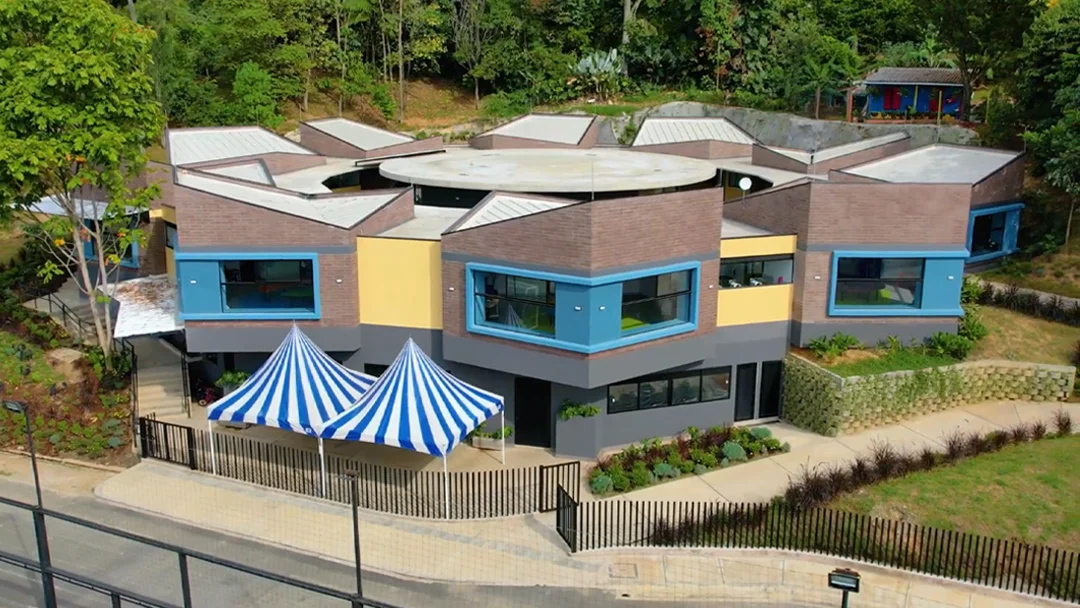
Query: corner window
x=651, y=301
x=679, y=388
x=883, y=282
x=755, y=272
x=267, y=285
x=988, y=233
x=516, y=303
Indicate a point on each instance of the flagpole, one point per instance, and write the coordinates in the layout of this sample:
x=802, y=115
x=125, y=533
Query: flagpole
x=446, y=486
x=503, y=434
x=322, y=467
x=213, y=455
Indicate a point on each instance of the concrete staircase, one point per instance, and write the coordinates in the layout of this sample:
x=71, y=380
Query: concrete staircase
x=78, y=305
x=161, y=380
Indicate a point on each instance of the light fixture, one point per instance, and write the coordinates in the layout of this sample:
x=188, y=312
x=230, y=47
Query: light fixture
x=449, y=289
x=845, y=580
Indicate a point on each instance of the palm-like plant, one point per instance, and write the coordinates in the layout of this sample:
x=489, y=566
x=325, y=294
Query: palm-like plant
x=599, y=71
x=820, y=76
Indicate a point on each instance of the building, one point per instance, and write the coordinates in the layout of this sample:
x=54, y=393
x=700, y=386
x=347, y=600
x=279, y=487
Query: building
x=567, y=273
x=903, y=91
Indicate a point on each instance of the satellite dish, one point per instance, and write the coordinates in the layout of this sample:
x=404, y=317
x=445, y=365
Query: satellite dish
x=745, y=183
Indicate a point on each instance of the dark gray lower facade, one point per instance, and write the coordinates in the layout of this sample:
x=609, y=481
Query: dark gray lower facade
x=871, y=334
x=536, y=389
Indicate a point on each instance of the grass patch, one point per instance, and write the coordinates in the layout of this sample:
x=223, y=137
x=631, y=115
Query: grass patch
x=12, y=364
x=883, y=361
x=1028, y=492
x=1019, y=337
x=11, y=240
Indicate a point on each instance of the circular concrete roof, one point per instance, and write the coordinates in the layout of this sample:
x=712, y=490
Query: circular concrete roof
x=549, y=170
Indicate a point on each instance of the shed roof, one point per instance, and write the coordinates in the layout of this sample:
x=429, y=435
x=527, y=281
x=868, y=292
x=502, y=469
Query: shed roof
x=939, y=76
x=254, y=171
x=677, y=130
x=148, y=305
x=937, y=164
x=357, y=134
x=187, y=146
x=342, y=211
x=499, y=207
x=830, y=153
x=555, y=128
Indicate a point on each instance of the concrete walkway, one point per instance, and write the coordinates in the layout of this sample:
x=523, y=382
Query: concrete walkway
x=760, y=480
x=1043, y=295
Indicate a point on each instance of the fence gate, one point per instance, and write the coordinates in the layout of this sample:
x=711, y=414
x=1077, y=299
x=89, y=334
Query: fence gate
x=552, y=476
x=566, y=519
x=169, y=442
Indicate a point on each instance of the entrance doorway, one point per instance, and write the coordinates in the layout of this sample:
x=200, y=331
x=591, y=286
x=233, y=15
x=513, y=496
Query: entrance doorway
x=532, y=412
x=770, y=389
x=745, y=391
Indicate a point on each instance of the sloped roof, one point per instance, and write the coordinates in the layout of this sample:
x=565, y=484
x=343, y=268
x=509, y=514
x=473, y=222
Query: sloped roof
x=254, y=171
x=357, y=134
x=342, y=211
x=941, y=76
x=555, y=128
x=937, y=164
x=677, y=130
x=427, y=223
x=824, y=154
x=499, y=207
x=197, y=145
x=148, y=305
x=777, y=177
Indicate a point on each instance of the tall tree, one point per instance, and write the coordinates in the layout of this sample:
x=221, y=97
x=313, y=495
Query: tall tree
x=77, y=111
x=983, y=34
x=716, y=30
x=474, y=27
x=1058, y=147
x=1049, y=62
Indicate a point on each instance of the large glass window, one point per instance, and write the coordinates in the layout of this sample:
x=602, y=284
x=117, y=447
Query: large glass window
x=267, y=284
x=170, y=236
x=679, y=388
x=518, y=303
x=754, y=272
x=988, y=233
x=658, y=299
x=879, y=282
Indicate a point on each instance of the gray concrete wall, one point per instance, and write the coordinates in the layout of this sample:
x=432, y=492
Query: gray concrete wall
x=791, y=131
x=870, y=331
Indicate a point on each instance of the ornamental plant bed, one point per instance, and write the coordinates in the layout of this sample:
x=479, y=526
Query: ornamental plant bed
x=692, y=453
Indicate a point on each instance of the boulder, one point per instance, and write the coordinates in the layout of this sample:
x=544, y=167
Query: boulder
x=65, y=361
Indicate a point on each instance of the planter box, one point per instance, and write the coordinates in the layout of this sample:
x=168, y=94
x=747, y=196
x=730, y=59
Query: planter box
x=576, y=437
x=486, y=443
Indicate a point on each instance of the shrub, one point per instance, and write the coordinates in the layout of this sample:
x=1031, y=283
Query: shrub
x=619, y=480
x=664, y=470
x=1019, y=433
x=978, y=444
x=706, y=459
x=971, y=325
x=761, y=432
x=753, y=447
x=862, y=472
x=734, y=452
x=640, y=475
x=886, y=460
x=928, y=458
x=680, y=464
x=839, y=479
x=785, y=448
x=570, y=410
x=772, y=444
x=700, y=469
x=725, y=463
x=1062, y=423
x=833, y=346
x=955, y=445
x=1038, y=430
x=998, y=439
x=950, y=345
x=601, y=484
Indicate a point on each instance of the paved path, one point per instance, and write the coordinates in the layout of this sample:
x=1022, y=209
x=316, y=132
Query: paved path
x=1043, y=295
x=760, y=480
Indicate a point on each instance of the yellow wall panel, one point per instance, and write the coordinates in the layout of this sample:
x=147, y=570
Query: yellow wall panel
x=765, y=304
x=757, y=245
x=170, y=263
x=400, y=282
x=166, y=213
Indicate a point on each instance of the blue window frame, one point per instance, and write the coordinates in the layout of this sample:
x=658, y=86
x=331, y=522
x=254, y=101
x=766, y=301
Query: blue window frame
x=271, y=285
x=257, y=286
x=992, y=231
x=130, y=257
x=586, y=313
x=896, y=283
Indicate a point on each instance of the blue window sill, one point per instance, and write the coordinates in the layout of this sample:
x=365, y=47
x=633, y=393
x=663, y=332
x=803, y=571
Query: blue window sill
x=588, y=349
x=982, y=257
x=252, y=315
x=644, y=329
x=888, y=311
x=514, y=330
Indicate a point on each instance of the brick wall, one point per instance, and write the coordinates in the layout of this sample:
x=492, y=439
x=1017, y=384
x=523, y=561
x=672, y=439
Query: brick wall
x=152, y=252
x=591, y=135
x=560, y=238
x=507, y=142
x=885, y=214
x=1004, y=186
x=783, y=210
x=862, y=156
x=840, y=177
x=394, y=213
x=329, y=145
x=765, y=157
x=698, y=149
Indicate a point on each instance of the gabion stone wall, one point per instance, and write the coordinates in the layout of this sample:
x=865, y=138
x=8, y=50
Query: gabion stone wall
x=823, y=402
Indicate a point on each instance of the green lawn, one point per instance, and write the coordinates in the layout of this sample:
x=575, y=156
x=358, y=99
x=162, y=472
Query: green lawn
x=1019, y=337
x=891, y=361
x=1029, y=492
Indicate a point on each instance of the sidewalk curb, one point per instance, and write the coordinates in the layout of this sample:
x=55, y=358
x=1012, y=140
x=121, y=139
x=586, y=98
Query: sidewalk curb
x=71, y=462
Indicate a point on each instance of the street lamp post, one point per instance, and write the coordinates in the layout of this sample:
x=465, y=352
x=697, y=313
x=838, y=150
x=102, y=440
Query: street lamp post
x=47, y=585
x=354, y=499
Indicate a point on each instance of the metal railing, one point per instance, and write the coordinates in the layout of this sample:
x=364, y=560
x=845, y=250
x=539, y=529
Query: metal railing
x=472, y=494
x=1003, y=564
x=118, y=596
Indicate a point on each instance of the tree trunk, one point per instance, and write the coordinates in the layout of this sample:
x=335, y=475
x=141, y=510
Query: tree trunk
x=476, y=91
x=1068, y=223
x=817, y=103
x=131, y=11
x=84, y=270
x=401, y=60
x=341, y=49
x=307, y=89
x=965, y=95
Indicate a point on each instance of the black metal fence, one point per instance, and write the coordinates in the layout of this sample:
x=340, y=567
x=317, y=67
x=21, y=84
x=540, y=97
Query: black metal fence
x=185, y=558
x=472, y=494
x=1002, y=564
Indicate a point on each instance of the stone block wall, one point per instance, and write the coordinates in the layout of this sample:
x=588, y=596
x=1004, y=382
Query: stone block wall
x=823, y=402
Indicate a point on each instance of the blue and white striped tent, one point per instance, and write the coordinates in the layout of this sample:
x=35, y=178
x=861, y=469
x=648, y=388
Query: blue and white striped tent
x=299, y=388
x=416, y=405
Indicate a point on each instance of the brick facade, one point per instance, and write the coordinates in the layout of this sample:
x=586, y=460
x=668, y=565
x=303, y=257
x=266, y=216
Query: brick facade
x=764, y=157
x=1004, y=186
x=698, y=149
x=860, y=157
x=498, y=141
x=394, y=213
x=328, y=145
x=783, y=210
x=888, y=214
